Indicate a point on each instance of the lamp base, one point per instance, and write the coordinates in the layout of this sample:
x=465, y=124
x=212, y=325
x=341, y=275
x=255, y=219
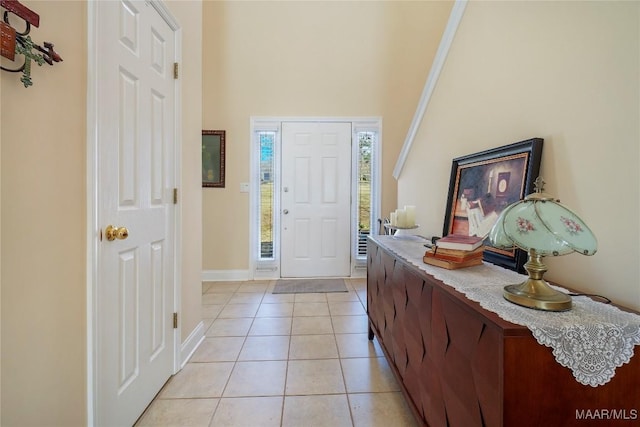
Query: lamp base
x=537, y=294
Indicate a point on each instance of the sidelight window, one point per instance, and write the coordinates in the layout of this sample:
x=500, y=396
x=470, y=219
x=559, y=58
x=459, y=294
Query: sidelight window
x=267, y=194
x=366, y=188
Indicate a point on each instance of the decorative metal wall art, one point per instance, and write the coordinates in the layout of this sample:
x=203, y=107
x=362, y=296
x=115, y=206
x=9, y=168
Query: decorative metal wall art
x=13, y=42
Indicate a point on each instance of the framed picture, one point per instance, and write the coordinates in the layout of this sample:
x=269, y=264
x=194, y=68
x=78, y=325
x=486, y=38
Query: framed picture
x=213, y=158
x=482, y=185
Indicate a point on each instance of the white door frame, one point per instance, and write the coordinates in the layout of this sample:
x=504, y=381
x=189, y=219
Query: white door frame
x=271, y=269
x=93, y=227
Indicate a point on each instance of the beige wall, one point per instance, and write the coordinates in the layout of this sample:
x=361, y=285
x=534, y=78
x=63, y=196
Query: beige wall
x=356, y=58
x=564, y=71
x=43, y=214
x=43, y=229
x=0, y=256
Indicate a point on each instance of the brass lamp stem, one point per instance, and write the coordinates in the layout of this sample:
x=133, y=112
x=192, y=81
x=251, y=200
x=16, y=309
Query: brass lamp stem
x=535, y=292
x=534, y=265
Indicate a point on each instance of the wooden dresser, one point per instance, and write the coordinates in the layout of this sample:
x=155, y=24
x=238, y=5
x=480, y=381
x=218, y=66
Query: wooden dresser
x=460, y=365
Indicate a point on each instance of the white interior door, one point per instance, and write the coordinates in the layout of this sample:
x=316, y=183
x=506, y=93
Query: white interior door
x=315, y=199
x=134, y=342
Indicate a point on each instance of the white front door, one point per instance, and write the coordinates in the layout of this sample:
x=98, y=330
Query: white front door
x=134, y=300
x=315, y=199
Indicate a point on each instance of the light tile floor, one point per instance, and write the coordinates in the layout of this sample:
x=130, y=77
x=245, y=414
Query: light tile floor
x=282, y=360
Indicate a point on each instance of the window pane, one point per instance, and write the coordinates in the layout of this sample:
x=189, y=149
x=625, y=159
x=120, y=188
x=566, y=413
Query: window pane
x=266, y=194
x=366, y=140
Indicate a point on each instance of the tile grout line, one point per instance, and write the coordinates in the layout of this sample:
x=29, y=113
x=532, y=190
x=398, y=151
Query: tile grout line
x=332, y=319
x=235, y=363
x=286, y=370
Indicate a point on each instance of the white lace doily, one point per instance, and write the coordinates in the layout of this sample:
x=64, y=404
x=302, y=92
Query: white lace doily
x=592, y=339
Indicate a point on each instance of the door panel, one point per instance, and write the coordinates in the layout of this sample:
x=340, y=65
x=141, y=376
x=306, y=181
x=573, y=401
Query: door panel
x=128, y=289
x=316, y=195
x=158, y=300
x=128, y=138
x=135, y=289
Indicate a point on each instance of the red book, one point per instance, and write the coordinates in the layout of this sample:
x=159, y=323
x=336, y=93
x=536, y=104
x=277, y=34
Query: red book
x=458, y=241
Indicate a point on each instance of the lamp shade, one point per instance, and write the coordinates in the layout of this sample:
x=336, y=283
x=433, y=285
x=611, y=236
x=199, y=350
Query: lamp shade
x=546, y=226
x=542, y=226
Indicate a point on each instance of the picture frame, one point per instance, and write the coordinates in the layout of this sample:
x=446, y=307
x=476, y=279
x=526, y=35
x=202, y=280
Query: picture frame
x=483, y=184
x=213, y=158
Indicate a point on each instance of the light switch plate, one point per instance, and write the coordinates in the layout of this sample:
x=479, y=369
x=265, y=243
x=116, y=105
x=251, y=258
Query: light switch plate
x=244, y=187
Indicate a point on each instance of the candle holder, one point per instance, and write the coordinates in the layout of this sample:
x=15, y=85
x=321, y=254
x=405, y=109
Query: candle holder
x=394, y=230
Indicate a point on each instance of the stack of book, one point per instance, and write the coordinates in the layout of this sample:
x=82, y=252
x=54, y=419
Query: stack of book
x=455, y=251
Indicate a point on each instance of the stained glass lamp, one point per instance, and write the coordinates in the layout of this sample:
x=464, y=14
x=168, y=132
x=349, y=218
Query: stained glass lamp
x=542, y=227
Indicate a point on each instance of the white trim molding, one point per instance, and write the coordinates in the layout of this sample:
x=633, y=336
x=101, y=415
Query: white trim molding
x=191, y=344
x=165, y=13
x=92, y=208
x=436, y=68
x=359, y=271
x=225, y=275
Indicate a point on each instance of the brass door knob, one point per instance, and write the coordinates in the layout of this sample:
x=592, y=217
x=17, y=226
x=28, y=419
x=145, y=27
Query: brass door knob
x=114, y=233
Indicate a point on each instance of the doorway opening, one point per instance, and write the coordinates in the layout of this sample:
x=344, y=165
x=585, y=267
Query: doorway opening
x=275, y=188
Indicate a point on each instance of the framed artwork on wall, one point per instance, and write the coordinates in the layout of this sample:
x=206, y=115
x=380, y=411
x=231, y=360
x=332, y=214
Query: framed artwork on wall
x=213, y=157
x=482, y=185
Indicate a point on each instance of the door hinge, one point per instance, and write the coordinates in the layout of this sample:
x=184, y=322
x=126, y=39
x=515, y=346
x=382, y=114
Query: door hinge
x=175, y=70
x=175, y=320
x=175, y=196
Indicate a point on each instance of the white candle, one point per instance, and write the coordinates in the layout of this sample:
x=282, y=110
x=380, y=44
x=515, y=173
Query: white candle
x=393, y=219
x=411, y=215
x=401, y=217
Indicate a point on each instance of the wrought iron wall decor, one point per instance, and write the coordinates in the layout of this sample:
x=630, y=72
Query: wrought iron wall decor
x=13, y=42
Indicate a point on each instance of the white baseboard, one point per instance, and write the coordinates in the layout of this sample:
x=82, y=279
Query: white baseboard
x=268, y=274
x=225, y=275
x=241, y=275
x=359, y=273
x=191, y=344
